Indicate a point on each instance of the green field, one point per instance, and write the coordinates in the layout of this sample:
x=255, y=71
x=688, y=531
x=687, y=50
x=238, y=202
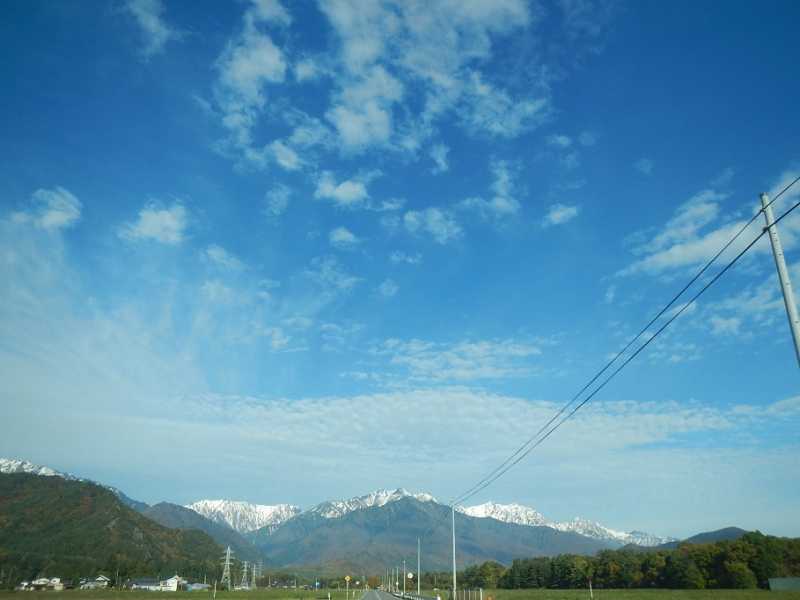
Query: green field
x=291, y=594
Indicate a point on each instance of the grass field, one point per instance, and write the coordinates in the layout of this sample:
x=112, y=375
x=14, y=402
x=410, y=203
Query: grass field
x=291, y=594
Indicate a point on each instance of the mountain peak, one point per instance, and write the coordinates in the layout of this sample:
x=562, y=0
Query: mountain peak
x=338, y=508
x=13, y=465
x=525, y=515
x=244, y=516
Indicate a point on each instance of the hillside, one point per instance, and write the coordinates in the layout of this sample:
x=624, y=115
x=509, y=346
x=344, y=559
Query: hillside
x=67, y=528
x=180, y=517
x=706, y=537
x=380, y=535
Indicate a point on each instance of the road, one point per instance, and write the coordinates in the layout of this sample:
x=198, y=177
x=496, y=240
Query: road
x=378, y=595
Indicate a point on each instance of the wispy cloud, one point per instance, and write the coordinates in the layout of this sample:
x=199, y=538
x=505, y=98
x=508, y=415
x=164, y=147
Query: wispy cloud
x=399, y=257
x=276, y=201
x=343, y=238
x=222, y=258
x=52, y=209
x=462, y=361
x=148, y=15
x=644, y=166
x=436, y=222
x=558, y=214
x=439, y=154
x=350, y=193
x=330, y=275
x=388, y=288
x=165, y=225
x=503, y=202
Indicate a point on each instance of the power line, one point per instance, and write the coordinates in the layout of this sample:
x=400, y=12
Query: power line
x=527, y=448
x=634, y=339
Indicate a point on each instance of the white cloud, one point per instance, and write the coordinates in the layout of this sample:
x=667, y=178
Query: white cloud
x=306, y=70
x=493, y=110
x=436, y=222
x=558, y=214
x=277, y=200
x=267, y=11
x=349, y=193
x=432, y=45
x=343, y=238
x=165, y=225
x=611, y=293
x=328, y=273
x=398, y=257
x=388, y=288
x=462, y=361
x=698, y=230
x=285, y=156
x=221, y=257
x=148, y=15
x=362, y=112
x=52, y=209
x=559, y=141
x=216, y=292
x=503, y=202
x=644, y=165
x=389, y=205
x=439, y=154
x=723, y=326
x=250, y=62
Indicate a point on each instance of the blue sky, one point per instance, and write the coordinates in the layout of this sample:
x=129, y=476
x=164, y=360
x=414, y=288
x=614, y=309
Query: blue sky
x=289, y=252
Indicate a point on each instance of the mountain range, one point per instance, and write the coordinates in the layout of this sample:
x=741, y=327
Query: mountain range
x=367, y=530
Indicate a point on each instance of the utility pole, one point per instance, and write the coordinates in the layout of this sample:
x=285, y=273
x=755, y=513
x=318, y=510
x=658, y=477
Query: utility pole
x=419, y=578
x=453, y=506
x=404, y=578
x=783, y=274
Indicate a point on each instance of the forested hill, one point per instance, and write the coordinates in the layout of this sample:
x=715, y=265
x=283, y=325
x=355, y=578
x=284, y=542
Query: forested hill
x=69, y=529
x=747, y=562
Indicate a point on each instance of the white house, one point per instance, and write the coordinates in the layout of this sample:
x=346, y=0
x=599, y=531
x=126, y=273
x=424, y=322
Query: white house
x=99, y=582
x=172, y=584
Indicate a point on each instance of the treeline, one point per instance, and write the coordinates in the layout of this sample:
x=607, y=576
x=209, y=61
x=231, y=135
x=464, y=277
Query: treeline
x=744, y=563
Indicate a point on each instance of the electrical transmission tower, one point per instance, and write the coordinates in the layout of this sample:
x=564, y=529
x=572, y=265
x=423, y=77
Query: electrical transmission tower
x=244, y=575
x=226, y=569
x=255, y=572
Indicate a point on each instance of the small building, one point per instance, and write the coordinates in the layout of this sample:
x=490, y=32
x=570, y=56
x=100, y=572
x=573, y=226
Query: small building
x=784, y=584
x=41, y=583
x=23, y=586
x=173, y=584
x=198, y=587
x=147, y=585
x=100, y=582
x=55, y=584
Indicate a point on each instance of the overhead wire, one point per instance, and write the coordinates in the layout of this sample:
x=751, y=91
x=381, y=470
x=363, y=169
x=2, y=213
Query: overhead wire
x=531, y=443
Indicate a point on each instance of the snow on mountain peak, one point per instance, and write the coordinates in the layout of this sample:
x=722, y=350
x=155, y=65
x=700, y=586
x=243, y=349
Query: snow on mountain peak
x=338, y=508
x=524, y=515
x=244, y=516
x=508, y=513
x=12, y=465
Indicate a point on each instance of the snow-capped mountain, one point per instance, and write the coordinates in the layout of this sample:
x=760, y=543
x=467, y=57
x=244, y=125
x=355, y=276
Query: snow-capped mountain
x=12, y=465
x=508, y=513
x=245, y=517
x=524, y=515
x=338, y=508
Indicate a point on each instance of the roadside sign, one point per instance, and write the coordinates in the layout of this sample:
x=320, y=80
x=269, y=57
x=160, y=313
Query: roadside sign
x=347, y=578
